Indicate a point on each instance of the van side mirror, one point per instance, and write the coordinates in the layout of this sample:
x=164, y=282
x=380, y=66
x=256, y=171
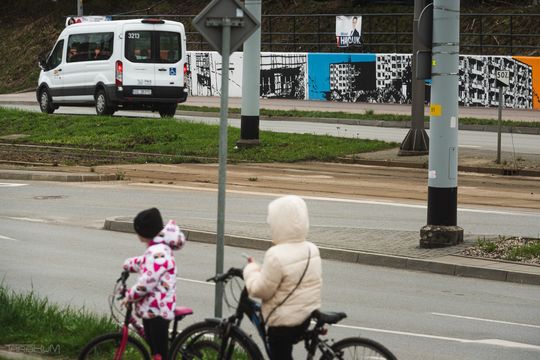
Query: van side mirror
x=43, y=64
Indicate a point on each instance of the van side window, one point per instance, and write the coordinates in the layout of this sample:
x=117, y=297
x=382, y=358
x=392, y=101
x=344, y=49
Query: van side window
x=55, y=58
x=90, y=47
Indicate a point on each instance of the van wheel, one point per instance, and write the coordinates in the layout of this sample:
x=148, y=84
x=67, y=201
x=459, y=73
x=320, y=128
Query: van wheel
x=167, y=110
x=45, y=102
x=103, y=106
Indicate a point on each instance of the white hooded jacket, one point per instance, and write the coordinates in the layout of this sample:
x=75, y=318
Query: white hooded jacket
x=283, y=266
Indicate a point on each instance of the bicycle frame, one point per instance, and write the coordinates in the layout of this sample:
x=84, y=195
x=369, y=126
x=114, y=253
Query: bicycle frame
x=251, y=308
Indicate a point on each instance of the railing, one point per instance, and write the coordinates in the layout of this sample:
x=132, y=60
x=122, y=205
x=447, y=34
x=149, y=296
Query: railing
x=481, y=34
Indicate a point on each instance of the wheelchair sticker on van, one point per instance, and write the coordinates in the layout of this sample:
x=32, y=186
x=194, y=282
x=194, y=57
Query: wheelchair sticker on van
x=172, y=71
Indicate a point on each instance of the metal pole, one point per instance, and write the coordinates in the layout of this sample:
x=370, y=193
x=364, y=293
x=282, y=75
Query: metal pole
x=441, y=229
x=220, y=241
x=79, y=7
x=501, y=104
x=251, y=83
x=416, y=141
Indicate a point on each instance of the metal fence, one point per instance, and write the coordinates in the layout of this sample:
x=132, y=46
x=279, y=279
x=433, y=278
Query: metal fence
x=481, y=34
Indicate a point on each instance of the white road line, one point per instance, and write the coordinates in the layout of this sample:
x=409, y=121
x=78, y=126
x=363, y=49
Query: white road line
x=26, y=219
x=7, y=238
x=487, y=320
x=353, y=201
x=494, y=342
x=196, y=281
x=11, y=185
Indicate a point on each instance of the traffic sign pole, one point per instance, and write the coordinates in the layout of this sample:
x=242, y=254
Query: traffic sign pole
x=225, y=24
x=220, y=241
x=501, y=104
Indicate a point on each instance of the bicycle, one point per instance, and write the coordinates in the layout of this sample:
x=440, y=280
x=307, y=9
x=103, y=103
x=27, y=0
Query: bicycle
x=224, y=339
x=123, y=345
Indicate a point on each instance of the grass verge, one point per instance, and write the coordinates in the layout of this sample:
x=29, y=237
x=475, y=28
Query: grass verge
x=173, y=137
x=368, y=115
x=33, y=325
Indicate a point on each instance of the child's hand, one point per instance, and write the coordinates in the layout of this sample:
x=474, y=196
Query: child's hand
x=124, y=303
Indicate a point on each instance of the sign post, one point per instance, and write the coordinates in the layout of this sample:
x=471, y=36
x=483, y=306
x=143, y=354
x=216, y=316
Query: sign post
x=225, y=24
x=503, y=80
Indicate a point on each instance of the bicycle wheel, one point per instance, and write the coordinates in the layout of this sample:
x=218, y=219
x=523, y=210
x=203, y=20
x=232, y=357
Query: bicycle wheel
x=359, y=348
x=202, y=341
x=105, y=346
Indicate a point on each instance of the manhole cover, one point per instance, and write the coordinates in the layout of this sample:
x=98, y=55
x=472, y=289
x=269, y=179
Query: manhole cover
x=48, y=197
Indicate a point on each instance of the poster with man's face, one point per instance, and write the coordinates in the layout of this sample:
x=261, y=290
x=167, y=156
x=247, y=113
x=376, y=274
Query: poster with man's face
x=348, y=31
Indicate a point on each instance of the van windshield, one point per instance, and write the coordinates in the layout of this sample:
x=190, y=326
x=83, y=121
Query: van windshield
x=153, y=47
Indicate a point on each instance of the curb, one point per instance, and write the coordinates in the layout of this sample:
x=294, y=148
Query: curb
x=125, y=224
x=377, y=123
x=53, y=176
x=469, y=169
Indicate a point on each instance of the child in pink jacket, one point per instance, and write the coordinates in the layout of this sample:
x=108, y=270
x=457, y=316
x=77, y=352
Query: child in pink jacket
x=154, y=293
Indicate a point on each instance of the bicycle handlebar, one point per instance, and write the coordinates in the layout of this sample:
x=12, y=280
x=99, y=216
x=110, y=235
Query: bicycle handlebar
x=232, y=272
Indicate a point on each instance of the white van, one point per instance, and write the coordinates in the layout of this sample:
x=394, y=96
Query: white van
x=124, y=64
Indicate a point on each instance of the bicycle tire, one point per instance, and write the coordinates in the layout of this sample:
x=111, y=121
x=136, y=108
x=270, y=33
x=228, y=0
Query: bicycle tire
x=104, y=347
x=359, y=348
x=187, y=344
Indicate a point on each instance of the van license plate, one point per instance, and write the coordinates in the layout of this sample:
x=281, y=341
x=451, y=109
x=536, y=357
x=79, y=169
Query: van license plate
x=142, y=92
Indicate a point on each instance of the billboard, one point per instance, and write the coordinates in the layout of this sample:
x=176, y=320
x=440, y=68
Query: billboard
x=348, y=31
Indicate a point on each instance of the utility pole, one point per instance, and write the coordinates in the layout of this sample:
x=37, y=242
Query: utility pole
x=416, y=141
x=79, y=7
x=441, y=229
x=251, y=83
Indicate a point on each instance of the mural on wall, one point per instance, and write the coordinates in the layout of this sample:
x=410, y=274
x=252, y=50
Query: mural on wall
x=375, y=78
x=204, y=73
x=283, y=75
x=478, y=85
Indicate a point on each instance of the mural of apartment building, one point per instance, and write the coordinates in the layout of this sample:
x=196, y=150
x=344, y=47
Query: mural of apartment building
x=351, y=81
x=283, y=75
x=478, y=83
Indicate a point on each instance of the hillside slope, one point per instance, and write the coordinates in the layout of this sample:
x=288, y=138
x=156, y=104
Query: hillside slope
x=30, y=27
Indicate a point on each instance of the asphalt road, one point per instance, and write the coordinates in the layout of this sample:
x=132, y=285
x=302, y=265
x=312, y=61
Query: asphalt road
x=518, y=143
x=416, y=315
x=84, y=204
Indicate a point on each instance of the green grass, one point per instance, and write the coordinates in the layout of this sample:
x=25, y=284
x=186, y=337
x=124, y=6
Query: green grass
x=172, y=137
x=43, y=327
x=486, y=245
x=368, y=115
x=528, y=251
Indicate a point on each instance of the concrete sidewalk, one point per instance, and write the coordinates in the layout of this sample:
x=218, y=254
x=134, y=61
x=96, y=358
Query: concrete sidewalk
x=396, y=249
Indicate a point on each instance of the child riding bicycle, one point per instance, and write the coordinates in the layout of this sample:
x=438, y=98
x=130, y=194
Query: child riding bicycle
x=154, y=294
x=290, y=279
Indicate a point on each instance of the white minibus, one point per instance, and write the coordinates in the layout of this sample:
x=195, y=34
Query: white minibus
x=112, y=65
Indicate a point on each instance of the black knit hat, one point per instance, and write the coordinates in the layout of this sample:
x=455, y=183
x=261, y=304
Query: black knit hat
x=148, y=223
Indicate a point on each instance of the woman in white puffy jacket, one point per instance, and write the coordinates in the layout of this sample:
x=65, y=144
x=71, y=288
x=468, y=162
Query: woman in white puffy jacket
x=290, y=279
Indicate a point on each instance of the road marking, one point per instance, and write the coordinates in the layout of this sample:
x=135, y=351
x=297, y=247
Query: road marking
x=7, y=238
x=196, y=281
x=26, y=219
x=11, y=184
x=494, y=342
x=353, y=201
x=470, y=146
x=487, y=320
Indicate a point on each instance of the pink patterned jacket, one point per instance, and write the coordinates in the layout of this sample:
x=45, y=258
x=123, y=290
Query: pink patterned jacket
x=155, y=290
